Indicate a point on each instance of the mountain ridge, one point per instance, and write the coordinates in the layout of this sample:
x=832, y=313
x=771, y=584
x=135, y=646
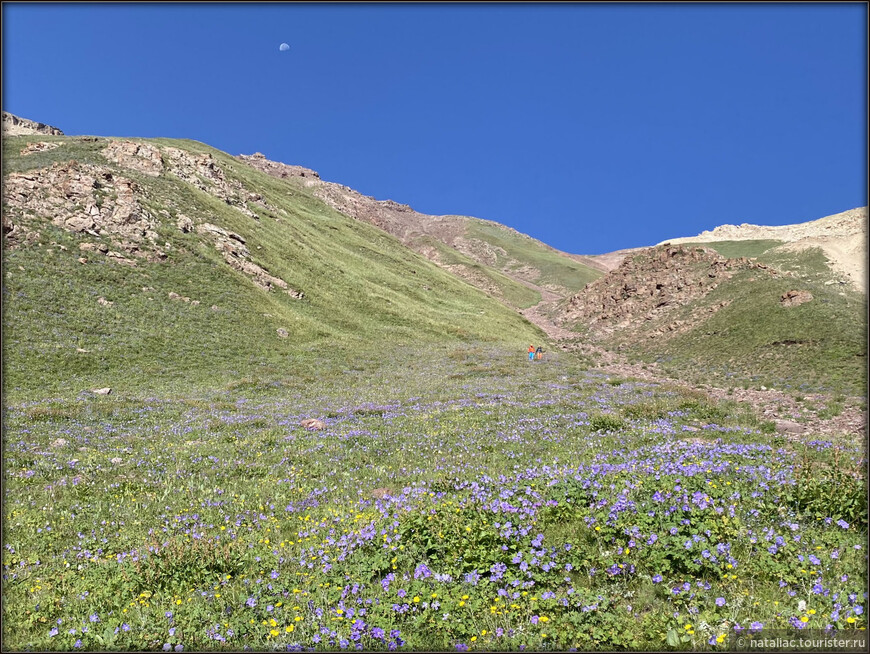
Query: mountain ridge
x=486, y=243
x=841, y=236
x=119, y=222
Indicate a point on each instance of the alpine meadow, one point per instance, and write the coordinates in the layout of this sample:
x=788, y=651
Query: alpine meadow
x=250, y=409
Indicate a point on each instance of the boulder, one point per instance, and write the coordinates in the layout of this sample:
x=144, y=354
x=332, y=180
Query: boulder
x=184, y=223
x=313, y=424
x=790, y=427
x=794, y=298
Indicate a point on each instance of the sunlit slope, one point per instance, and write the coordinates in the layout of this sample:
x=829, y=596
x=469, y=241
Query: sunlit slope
x=526, y=258
x=361, y=288
x=501, y=261
x=782, y=319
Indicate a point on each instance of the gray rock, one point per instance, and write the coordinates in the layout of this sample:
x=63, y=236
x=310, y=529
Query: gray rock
x=102, y=391
x=790, y=427
x=184, y=223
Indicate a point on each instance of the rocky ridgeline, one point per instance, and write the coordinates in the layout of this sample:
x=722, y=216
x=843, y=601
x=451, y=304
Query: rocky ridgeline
x=275, y=168
x=650, y=286
x=16, y=126
x=847, y=223
x=411, y=227
x=400, y=220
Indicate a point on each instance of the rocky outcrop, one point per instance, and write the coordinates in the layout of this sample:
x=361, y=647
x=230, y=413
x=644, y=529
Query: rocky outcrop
x=313, y=424
x=480, y=251
x=17, y=234
x=84, y=199
x=275, y=168
x=38, y=146
x=235, y=252
x=16, y=126
x=203, y=172
x=649, y=286
x=794, y=298
x=143, y=157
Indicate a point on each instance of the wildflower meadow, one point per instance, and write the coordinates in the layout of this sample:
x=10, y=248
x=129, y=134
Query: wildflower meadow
x=455, y=498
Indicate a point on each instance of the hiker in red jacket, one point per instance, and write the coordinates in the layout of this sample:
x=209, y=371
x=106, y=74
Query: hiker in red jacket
x=531, y=352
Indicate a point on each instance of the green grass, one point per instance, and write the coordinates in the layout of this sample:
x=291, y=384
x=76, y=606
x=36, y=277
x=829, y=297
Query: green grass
x=191, y=508
x=504, y=288
x=553, y=269
x=198, y=518
x=816, y=346
x=363, y=289
x=735, y=249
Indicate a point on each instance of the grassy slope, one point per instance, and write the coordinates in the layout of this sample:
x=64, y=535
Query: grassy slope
x=735, y=249
x=819, y=345
x=555, y=268
x=508, y=290
x=364, y=290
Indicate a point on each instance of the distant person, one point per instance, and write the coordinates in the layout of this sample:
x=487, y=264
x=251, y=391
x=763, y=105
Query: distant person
x=531, y=352
x=539, y=353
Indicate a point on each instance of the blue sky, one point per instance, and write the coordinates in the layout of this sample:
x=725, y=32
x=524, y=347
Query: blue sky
x=592, y=127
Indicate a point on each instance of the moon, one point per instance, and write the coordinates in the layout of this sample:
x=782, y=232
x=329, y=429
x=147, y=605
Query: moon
x=283, y=47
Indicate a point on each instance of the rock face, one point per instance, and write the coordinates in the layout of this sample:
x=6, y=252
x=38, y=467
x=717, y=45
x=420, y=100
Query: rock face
x=649, y=286
x=16, y=126
x=82, y=198
x=143, y=157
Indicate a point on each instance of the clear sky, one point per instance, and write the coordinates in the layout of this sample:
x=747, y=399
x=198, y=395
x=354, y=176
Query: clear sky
x=593, y=127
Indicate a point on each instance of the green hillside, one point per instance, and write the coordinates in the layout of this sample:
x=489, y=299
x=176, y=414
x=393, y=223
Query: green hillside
x=363, y=290
x=818, y=346
x=496, y=283
x=733, y=249
x=543, y=265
